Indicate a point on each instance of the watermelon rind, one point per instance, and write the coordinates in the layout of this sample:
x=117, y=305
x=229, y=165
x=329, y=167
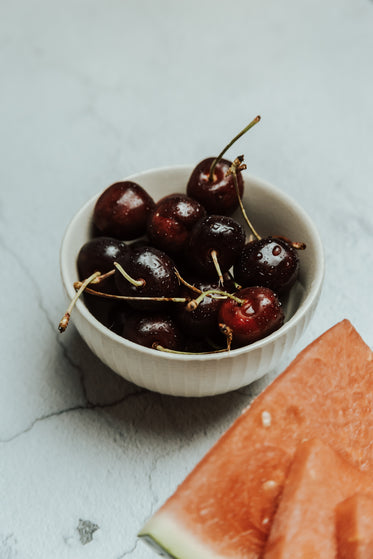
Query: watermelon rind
x=169, y=539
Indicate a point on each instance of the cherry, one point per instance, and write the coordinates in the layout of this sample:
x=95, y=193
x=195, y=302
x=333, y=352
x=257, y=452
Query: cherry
x=210, y=184
x=99, y=254
x=258, y=315
x=215, y=243
x=199, y=345
x=201, y=322
x=122, y=210
x=270, y=262
x=117, y=315
x=153, y=275
x=217, y=195
x=101, y=309
x=153, y=331
x=172, y=220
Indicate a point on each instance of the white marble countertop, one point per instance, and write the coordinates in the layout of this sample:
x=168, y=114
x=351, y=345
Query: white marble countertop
x=92, y=91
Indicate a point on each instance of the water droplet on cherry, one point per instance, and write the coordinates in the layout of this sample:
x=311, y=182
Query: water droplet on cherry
x=259, y=314
x=217, y=233
x=157, y=272
x=268, y=262
x=172, y=220
x=122, y=210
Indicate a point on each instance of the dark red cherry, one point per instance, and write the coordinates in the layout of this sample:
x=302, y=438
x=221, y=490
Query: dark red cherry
x=201, y=322
x=122, y=210
x=118, y=315
x=217, y=233
x=172, y=220
x=218, y=195
x=201, y=345
x=268, y=262
x=154, y=270
x=210, y=184
x=100, y=308
x=99, y=255
x=258, y=316
x=153, y=330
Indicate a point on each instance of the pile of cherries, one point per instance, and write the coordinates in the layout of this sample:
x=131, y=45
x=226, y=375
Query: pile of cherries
x=179, y=274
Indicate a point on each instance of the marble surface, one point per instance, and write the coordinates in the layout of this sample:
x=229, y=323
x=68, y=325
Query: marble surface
x=92, y=91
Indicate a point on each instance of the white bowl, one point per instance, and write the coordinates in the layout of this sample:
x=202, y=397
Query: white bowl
x=272, y=212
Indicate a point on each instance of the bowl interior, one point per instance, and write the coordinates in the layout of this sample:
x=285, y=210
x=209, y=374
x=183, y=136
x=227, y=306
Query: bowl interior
x=270, y=210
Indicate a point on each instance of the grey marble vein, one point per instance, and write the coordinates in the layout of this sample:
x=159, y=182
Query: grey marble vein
x=87, y=407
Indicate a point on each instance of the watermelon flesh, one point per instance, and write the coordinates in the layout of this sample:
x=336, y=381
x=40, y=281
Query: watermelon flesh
x=354, y=527
x=303, y=525
x=225, y=507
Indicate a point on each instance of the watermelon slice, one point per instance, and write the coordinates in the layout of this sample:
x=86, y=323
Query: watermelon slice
x=224, y=508
x=354, y=527
x=303, y=526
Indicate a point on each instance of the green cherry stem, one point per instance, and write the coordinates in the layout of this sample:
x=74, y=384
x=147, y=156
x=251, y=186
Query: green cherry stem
x=78, y=285
x=102, y=277
x=214, y=257
x=166, y=350
x=218, y=158
x=238, y=164
x=188, y=285
x=136, y=283
x=298, y=245
x=193, y=304
x=66, y=317
x=236, y=285
x=227, y=331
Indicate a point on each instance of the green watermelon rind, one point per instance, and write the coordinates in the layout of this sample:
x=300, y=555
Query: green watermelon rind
x=156, y=546
x=169, y=539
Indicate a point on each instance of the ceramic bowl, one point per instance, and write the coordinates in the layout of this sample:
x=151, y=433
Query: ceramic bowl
x=271, y=211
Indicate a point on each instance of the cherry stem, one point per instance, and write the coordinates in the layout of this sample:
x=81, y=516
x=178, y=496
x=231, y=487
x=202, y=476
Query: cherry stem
x=136, y=283
x=184, y=282
x=238, y=164
x=193, y=304
x=227, y=331
x=102, y=277
x=166, y=350
x=78, y=285
x=66, y=317
x=298, y=245
x=236, y=285
x=214, y=256
x=218, y=158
